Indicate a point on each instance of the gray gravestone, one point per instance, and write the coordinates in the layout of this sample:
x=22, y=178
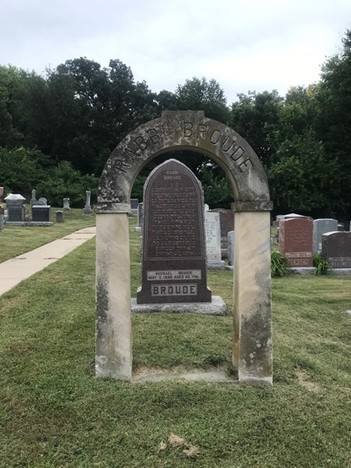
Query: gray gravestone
x=1, y=218
x=174, y=259
x=336, y=248
x=60, y=216
x=2, y=193
x=139, y=225
x=33, y=200
x=213, y=241
x=320, y=227
x=226, y=220
x=41, y=213
x=66, y=204
x=15, y=209
x=87, y=208
x=231, y=240
x=134, y=202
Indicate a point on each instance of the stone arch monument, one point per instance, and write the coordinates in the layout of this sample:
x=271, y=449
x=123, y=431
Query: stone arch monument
x=185, y=130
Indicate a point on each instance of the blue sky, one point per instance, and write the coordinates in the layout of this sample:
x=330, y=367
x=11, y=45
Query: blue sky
x=245, y=45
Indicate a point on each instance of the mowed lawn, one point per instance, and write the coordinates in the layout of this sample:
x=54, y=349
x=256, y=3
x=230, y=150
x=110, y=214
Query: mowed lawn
x=55, y=413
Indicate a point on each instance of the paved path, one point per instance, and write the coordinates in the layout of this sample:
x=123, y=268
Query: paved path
x=17, y=269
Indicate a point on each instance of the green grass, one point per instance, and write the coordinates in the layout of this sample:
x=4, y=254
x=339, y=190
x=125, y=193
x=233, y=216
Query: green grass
x=16, y=240
x=55, y=413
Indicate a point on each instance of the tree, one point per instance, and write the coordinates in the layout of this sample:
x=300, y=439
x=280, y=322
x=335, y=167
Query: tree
x=200, y=94
x=334, y=123
x=255, y=117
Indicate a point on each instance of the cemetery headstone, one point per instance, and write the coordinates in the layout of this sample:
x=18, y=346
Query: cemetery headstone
x=87, y=208
x=66, y=205
x=139, y=224
x=33, y=200
x=2, y=193
x=2, y=221
x=226, y=219
x=341, y=227
x=15, y=208
x=134, y=202
x=336, y=248
x=41, y=213
x=295, y=241
x=59, y=216
x=213, y=241
x=320, y=227
x=231, y=240
x=174, y=257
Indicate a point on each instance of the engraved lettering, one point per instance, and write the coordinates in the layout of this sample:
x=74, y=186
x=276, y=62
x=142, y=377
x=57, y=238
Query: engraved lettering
x=139, y=141
x=174, y=290
x=238, y=153
x=188, y=129
x=202, y=130
x=247, y=165
x=216, y=135
x=154, y=136
x=119, y=165
x=225, y=146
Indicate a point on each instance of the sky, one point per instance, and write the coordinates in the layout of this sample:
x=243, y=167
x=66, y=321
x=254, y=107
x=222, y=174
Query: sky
x=245, y=45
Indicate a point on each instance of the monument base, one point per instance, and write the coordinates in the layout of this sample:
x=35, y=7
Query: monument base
x=339, y=271
x=215, y=307
x=220, y=265
x=40, y=223
x=303, y=270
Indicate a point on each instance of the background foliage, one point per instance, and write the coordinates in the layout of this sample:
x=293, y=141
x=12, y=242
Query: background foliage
x=57, y=130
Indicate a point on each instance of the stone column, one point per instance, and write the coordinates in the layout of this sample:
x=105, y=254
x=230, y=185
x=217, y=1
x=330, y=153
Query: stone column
x=113, y=311
x=252, y=348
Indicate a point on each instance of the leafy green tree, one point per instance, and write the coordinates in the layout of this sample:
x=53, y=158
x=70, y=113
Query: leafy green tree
x=303, y=176
x=201, y=94
x=255, y=117
x=64, y=181
x=334, y=123
x=22, y=169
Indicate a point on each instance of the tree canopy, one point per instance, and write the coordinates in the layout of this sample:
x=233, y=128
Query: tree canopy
x=57, y=130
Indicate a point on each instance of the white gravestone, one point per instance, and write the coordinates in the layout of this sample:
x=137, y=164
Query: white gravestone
x=213, y=241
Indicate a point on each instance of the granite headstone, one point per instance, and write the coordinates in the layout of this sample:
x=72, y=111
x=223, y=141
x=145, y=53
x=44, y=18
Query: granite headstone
x=320, y=227
x=295, y=241
x=174, y=257
x=336, y=248
x=15, y=208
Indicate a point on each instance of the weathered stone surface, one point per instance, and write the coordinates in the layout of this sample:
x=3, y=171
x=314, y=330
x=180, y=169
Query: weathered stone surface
x=174, y=258
x=320, y=227
x=252, y=351
x=295, y=241
x=186, y=130
x=113, y=310
x=231, y=243
x=336, y=248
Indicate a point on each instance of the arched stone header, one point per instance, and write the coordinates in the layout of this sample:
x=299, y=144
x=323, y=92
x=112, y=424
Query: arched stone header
x=184, y=130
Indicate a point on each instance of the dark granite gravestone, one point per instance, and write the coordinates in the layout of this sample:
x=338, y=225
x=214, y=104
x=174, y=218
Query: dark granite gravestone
x=336, y=248
x=295, y=241
x=41, y=213
x=174, y=256
x=15, y=208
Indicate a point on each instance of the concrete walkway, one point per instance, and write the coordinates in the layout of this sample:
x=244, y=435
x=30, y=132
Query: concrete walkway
x=17, y=269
